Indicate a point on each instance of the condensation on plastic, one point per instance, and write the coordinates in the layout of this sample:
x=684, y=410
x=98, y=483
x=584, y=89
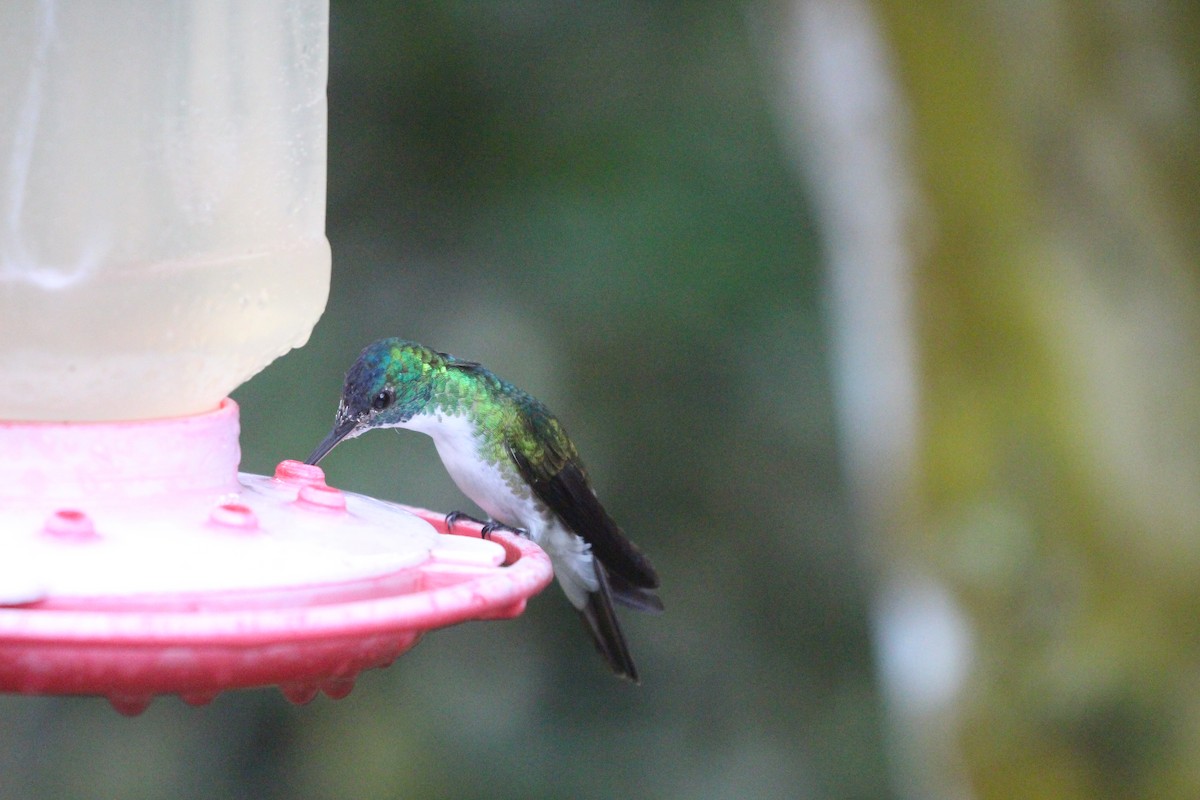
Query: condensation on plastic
x=162, y=201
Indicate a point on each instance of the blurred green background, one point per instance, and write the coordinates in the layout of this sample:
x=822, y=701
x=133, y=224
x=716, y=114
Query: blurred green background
x=638, y=212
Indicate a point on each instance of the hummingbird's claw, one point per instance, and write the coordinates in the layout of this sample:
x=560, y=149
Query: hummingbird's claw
x=455, y=517
x=492, y=527
x=488, y=527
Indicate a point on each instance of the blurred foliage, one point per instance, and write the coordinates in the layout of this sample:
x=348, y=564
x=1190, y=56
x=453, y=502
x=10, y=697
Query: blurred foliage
x=1060, y=325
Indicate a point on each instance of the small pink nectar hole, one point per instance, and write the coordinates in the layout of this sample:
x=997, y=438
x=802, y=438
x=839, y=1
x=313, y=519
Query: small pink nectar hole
x=234, y=515
x=70, y=524
x=325, y=498
x=297, y=473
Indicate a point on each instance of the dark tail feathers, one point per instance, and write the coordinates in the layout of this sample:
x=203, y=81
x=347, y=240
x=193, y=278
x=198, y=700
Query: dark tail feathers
x=601, y=622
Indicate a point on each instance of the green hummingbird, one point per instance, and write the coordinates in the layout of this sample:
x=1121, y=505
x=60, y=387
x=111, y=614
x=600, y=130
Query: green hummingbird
x=512, y=458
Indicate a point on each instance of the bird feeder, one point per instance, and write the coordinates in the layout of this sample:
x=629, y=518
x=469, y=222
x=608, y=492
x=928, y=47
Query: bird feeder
x=161, y=241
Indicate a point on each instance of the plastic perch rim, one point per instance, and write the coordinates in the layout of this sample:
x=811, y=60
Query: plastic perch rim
x=139, y=562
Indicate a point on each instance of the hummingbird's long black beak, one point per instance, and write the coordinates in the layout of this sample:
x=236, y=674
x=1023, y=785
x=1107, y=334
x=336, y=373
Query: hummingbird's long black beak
x=340, y=431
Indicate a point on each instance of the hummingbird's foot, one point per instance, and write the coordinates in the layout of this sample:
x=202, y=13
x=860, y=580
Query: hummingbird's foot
x=455, y=517
x=491, y=527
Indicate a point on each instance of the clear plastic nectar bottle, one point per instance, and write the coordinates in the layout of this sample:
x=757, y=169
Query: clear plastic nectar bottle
x=162, y=201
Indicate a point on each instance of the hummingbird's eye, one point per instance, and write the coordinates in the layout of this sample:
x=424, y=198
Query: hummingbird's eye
x=382, y=400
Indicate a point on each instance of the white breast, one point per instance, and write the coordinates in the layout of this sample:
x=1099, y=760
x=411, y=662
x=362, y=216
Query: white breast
x=457, y=443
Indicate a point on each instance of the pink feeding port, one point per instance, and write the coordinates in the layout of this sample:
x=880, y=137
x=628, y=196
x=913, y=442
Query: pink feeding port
x=140, y=562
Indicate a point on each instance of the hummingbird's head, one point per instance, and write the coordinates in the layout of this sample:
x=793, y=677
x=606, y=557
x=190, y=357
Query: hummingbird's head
x=389, y=383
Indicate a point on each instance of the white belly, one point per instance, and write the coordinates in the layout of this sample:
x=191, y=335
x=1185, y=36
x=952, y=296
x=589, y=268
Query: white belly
x=489, y=487
x=486, y=484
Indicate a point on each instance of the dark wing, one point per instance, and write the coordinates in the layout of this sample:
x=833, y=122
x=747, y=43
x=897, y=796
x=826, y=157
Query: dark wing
x=559, y=480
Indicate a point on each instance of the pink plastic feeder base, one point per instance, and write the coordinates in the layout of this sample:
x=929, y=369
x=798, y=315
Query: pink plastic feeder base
x=320, y=584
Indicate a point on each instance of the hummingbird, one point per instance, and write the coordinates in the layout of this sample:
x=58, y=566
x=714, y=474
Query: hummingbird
x=511, y=456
